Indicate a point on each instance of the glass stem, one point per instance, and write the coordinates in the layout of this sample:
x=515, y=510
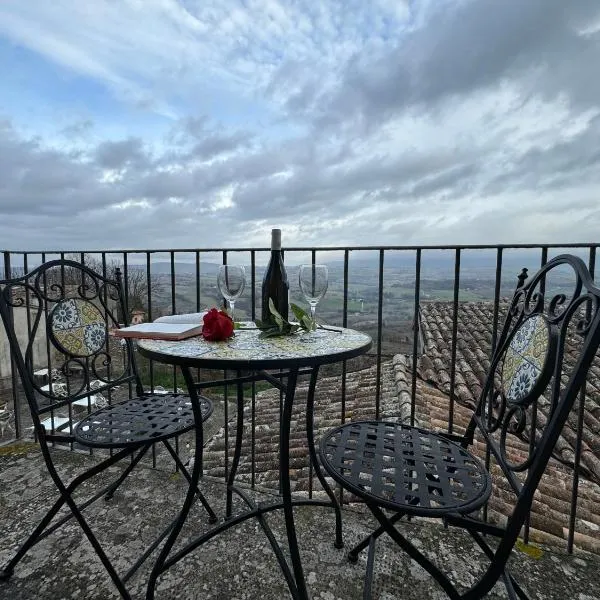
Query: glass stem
x=232, y=308
x=313, y=310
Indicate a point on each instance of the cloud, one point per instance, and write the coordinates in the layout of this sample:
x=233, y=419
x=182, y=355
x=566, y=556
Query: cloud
x=461, y=51
x=117, y=155
x=350, y=123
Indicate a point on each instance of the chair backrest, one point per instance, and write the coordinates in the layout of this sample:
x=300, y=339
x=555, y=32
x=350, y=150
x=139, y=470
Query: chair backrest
x=538, y=369
x=59, y=315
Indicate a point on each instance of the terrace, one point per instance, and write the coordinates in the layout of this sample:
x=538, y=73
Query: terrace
x=425, y=374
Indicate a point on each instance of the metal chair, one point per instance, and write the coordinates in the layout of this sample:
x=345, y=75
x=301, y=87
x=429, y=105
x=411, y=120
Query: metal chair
x=70, y=311
x=529, y=392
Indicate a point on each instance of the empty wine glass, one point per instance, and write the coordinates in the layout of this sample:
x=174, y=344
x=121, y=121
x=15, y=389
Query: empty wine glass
x=231, y=281
x=313, y=280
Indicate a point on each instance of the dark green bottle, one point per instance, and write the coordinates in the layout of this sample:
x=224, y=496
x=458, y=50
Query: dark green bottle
x=275, y=282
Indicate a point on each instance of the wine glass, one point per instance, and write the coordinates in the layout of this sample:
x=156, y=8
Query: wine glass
x=231, y=280
x=313, y=280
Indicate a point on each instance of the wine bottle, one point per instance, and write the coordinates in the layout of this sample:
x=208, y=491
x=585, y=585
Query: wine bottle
x=275, y=282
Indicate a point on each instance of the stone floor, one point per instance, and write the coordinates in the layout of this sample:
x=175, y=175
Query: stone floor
x=239, y=564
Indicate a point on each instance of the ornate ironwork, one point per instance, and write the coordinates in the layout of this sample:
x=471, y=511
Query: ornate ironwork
x=74, y=308
x=563, y=322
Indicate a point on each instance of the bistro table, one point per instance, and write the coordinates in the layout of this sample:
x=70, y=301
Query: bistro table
x=279, y=361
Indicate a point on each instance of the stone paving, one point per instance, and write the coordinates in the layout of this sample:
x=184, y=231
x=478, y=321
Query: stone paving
x=239, y=564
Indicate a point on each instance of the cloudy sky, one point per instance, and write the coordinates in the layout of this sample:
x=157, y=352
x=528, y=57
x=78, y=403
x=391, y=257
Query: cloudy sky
x=199, y=123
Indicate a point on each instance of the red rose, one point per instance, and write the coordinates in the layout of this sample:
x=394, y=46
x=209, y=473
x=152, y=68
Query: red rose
x=218, y=325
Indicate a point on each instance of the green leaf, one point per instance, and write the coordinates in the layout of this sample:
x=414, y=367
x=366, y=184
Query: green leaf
x=298, y=311
x=277, y=326
x=276, y=315
x=307, y=323
x=272, y=332
x=303, y=317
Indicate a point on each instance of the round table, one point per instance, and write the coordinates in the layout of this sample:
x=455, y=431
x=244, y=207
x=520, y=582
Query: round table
x=248, y=351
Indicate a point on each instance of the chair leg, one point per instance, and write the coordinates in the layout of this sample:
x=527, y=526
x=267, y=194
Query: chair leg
x=414, y=553
x=353, y=554
x=97, y=547
x=212, y=517
x=8, y=570
x=370, y=566
x=113, y=488
x=510, y=581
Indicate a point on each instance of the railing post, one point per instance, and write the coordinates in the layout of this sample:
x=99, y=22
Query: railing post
x=13, y=369
x=416, y=334
x=454, y=341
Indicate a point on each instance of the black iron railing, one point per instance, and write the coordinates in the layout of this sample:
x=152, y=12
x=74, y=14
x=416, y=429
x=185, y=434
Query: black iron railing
x=373, y=288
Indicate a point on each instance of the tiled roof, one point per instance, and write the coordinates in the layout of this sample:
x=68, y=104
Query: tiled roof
x=359, y=405
x=473, y=349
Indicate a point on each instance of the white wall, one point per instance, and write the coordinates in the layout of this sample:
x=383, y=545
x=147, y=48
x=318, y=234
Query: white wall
x=39, y=347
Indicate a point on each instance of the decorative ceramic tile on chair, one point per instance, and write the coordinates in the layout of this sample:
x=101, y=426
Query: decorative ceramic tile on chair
x=77, y=327
x=525, y=359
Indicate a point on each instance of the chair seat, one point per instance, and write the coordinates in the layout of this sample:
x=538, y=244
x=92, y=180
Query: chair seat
x=405, y=468
x=135, y=422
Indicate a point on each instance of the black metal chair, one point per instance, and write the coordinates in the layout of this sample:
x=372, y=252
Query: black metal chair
x=529, y=392
x=70, y=311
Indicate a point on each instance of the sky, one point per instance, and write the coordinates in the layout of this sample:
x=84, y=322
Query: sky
x=205, y=123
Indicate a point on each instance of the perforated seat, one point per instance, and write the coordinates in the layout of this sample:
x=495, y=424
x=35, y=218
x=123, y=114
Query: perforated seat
x=141, y=420
x=405, y=468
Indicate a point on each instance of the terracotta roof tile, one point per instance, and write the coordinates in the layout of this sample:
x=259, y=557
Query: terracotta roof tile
x=359, y=405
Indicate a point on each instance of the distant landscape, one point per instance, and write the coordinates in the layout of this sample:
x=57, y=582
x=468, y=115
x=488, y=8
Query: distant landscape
x=477, y=283
x=174, y=288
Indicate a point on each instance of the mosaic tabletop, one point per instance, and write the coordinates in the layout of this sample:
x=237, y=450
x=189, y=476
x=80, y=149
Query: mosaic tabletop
x=246, y=349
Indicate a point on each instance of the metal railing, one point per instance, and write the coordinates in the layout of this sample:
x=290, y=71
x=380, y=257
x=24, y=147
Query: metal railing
x=377, y=289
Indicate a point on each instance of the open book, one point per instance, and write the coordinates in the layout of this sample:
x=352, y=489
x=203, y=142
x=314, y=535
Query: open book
x=160, y=331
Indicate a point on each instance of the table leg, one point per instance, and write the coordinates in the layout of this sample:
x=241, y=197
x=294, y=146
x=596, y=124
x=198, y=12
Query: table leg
x=300, y=593
x=310, y=436
x=191, y=493
x=238, y=445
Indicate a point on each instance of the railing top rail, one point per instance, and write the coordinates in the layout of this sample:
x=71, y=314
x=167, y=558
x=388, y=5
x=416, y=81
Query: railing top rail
x=309, y=248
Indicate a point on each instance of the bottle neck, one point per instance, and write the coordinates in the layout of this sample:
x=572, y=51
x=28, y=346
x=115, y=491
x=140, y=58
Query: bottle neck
x=276, y=240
